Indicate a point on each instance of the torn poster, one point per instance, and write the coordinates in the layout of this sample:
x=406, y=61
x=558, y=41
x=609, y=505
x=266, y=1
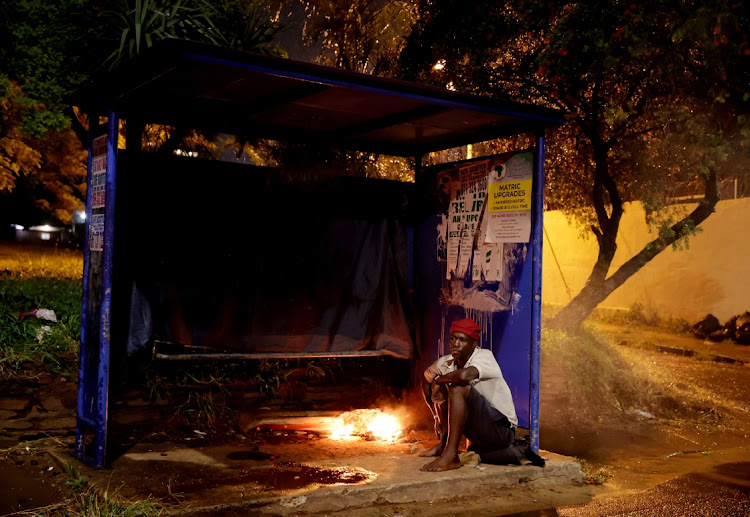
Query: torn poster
x=464, y=216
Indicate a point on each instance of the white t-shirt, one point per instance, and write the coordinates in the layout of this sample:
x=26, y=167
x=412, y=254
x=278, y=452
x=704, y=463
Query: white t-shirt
x=490, y=383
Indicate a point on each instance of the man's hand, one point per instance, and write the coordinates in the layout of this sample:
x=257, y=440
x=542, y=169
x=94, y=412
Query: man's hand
x=438, y=393
x=438, y=430
x=438, y=402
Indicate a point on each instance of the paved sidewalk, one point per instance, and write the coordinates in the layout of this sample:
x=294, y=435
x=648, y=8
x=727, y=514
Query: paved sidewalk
x=211, y=479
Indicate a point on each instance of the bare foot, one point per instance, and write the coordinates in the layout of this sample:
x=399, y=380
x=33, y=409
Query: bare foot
x=441, y=464
x=437, y=450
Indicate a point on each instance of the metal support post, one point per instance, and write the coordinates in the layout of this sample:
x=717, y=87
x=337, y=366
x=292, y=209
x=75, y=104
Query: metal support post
x=537, y=212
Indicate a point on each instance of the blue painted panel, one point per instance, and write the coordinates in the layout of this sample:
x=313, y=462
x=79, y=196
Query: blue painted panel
x=515, y=345
x=508, y=335
x=507, y=332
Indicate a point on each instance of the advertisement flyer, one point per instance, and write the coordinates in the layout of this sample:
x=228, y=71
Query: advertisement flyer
x=98, y=172
x=509, y=200
x=490, y=204
x=508, y=227
x=96, y=233
x=510, y=185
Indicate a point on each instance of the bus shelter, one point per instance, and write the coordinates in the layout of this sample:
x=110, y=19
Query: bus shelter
x=250, y=262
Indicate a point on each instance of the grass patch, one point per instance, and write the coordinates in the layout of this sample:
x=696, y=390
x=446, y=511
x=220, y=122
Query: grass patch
x=639, y=315
x=596, y=474
x=39, y=278
x=202, y=390
x=77, y=482
x=28, y=261
x=605, y=381
x=92, y=504
x=29, y=339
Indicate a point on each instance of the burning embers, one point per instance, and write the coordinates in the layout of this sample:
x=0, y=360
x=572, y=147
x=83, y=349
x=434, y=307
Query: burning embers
x=370, y=424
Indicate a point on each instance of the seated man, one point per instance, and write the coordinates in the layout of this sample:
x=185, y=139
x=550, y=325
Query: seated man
x=468, y=396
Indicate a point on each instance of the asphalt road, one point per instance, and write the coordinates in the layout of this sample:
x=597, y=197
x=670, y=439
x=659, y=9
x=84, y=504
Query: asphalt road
x=723, y=491
x=713, y=479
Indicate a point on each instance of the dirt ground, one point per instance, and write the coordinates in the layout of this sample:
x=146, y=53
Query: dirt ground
x=624, y=452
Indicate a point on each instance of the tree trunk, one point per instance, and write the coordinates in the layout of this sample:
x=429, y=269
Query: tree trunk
x=598, y=286
x=78, y=128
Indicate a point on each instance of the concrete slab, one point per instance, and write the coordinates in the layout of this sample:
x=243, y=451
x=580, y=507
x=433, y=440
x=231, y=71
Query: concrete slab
x=200, y=480
x=400, y=481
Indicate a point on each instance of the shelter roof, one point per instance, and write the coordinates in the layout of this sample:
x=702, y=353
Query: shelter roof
x=194, y=85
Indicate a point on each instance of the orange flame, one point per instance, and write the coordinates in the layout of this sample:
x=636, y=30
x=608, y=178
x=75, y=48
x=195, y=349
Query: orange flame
x=364, y=422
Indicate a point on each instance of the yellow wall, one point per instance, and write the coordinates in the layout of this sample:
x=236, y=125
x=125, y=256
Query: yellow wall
x=712, y=276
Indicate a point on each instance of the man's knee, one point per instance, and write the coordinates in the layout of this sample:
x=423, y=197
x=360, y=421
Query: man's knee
x=455, y=391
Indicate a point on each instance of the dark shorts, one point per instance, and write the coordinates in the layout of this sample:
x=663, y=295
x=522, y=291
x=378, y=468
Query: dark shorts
x=485, y=425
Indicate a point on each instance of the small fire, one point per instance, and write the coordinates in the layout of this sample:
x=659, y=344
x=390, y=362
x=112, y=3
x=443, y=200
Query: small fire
x=366, y=422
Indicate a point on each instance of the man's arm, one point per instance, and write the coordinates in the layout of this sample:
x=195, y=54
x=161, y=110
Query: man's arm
x=460, y=377
x=427, y=392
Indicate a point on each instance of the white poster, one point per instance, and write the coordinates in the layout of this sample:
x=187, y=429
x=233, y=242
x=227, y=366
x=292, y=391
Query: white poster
x=508, y=227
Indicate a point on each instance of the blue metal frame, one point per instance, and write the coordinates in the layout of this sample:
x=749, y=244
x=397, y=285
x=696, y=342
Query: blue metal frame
x=513, y=335
x=537, y=214
x=82, y=422
x=423, y=275
x=97, y=389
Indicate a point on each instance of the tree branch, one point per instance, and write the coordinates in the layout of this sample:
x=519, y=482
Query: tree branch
x=78, y=128
x=678, y=230
x=170, y=146
x=638, y=133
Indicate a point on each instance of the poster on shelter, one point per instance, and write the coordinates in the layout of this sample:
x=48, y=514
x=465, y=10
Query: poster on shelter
x=96, y=233
x=509, y=200
x=510, y=185
x=508, y=227
x=488, y=263
x=490, y=204
x=467, y=197
x=98, y=172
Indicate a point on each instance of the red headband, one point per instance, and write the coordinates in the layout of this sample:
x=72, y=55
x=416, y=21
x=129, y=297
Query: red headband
x=467, y=326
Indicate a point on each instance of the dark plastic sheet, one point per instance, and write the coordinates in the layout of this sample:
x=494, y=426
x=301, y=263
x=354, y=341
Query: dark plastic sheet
x=258, y=264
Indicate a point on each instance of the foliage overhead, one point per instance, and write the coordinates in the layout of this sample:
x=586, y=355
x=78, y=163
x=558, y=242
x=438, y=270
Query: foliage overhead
x=249, y=25
x=360, y=35
x=43, y=51
x=16, y=156
x=655, y=93
x=365, y=36
x=242, y=24
x=48, y=49
x=621, y=70
x=145, y=22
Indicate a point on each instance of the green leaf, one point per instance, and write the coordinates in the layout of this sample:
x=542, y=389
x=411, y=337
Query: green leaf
x=611, y=61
